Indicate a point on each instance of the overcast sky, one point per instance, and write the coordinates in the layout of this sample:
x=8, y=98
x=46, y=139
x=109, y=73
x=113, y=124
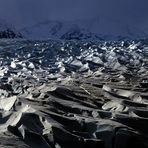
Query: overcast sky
x=26, y=12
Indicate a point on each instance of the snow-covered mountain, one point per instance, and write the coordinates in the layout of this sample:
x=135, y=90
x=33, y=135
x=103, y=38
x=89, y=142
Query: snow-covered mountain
x=59, y=30
x=84, y=29
x=79, y=19
x=8, y=31
x=94, y=29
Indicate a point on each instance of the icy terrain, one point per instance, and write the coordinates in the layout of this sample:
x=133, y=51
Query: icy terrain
x=67, y=94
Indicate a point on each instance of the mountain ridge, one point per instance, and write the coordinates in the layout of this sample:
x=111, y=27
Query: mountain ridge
x=8, y=31
x=94, y=29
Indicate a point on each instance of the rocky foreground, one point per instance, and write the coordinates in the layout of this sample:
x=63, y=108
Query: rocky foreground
x=58, y=94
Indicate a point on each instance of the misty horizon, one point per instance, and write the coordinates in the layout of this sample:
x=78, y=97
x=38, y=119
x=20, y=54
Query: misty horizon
x=28, y=12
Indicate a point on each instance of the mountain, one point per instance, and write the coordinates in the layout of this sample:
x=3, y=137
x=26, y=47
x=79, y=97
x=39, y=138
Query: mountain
x=93, y=29
x=98, y=29
x=8, y=31
x=58, y=30
x=79, y=19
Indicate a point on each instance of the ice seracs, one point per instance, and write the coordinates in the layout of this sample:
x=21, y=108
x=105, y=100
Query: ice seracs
x=7, y=103
x=89, y=90
x=31, y=65
x=13, y=64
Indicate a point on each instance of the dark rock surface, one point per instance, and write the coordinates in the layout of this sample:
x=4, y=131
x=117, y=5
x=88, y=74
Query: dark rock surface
x=58, y=94
x=8, y=33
